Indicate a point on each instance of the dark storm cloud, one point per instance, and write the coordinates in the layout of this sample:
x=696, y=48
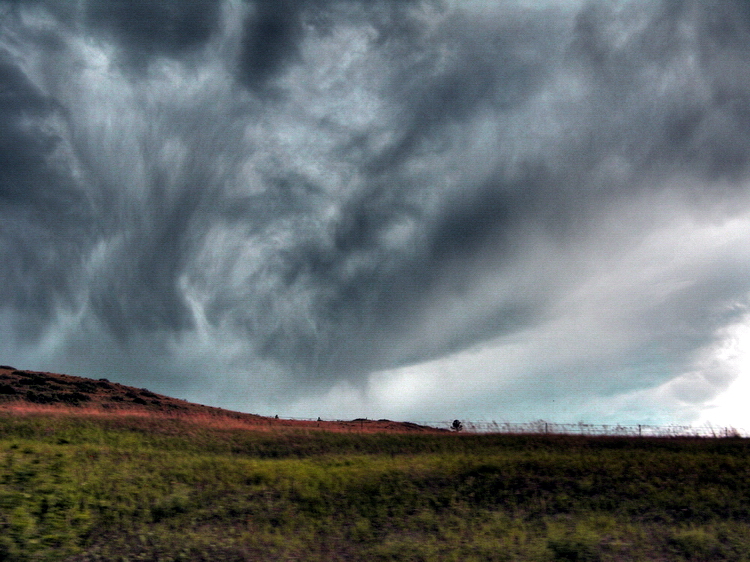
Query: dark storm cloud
x=337, y=187
x=685, y=58
x=489, y=68
x=690, y=127
x=158, y=27
x=24, y=147
x=44, y=218
x=271, y=37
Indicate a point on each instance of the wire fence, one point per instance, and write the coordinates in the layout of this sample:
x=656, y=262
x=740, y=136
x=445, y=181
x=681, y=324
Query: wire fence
x=543, y=427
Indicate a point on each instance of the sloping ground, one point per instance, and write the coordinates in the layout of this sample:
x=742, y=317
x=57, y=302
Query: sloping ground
x=26, y=391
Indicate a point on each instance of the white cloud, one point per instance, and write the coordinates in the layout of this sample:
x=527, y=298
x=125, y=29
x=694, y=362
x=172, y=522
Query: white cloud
x=731, y=360
x=592, y=357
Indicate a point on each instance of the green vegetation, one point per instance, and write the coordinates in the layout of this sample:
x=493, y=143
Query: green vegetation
x=144, y=488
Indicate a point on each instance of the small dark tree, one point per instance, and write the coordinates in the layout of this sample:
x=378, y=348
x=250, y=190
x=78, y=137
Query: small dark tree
x=457, y=425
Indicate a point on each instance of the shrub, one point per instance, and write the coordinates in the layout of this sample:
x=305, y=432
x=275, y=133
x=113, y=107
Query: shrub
x=86, y=386
x=7, y=389
x=38, y=398
x=73, y=397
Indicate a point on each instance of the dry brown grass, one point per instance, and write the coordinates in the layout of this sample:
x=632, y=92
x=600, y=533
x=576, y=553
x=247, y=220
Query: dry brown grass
x=39, y=393
x=228, y=421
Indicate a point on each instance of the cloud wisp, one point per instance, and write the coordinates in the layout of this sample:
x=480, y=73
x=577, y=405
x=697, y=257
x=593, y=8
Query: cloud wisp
x=385, y=208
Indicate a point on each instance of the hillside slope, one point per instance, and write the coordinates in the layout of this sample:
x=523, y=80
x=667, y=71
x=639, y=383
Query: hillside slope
x=21, y=389
x=51, y=388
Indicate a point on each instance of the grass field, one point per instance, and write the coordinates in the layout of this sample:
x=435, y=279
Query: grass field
x=148, y=487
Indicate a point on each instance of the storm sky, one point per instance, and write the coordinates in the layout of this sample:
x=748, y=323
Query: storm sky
x=420, y=210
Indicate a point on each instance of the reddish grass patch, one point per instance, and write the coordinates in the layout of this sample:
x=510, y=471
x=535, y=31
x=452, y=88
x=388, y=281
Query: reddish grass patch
x=28, y=393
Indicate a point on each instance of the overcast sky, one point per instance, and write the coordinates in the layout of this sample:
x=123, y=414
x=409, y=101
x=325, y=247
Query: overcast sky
x=421, y=210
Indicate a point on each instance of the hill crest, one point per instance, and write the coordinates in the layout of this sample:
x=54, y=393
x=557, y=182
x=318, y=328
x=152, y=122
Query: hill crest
x=24, y=390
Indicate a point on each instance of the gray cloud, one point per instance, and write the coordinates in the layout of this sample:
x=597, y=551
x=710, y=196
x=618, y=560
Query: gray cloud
x=297, y=195
x=44, y=217
x=147, y=29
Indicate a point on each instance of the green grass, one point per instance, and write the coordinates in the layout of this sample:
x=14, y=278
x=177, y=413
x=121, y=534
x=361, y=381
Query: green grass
x=98, y=488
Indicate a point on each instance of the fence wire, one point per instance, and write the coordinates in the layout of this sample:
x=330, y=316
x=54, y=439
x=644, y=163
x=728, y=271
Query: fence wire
x=580, y=428
x=635, y=430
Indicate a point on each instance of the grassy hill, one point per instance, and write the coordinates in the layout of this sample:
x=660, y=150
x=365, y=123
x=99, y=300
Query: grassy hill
x=103, y=479
x=52, y=392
